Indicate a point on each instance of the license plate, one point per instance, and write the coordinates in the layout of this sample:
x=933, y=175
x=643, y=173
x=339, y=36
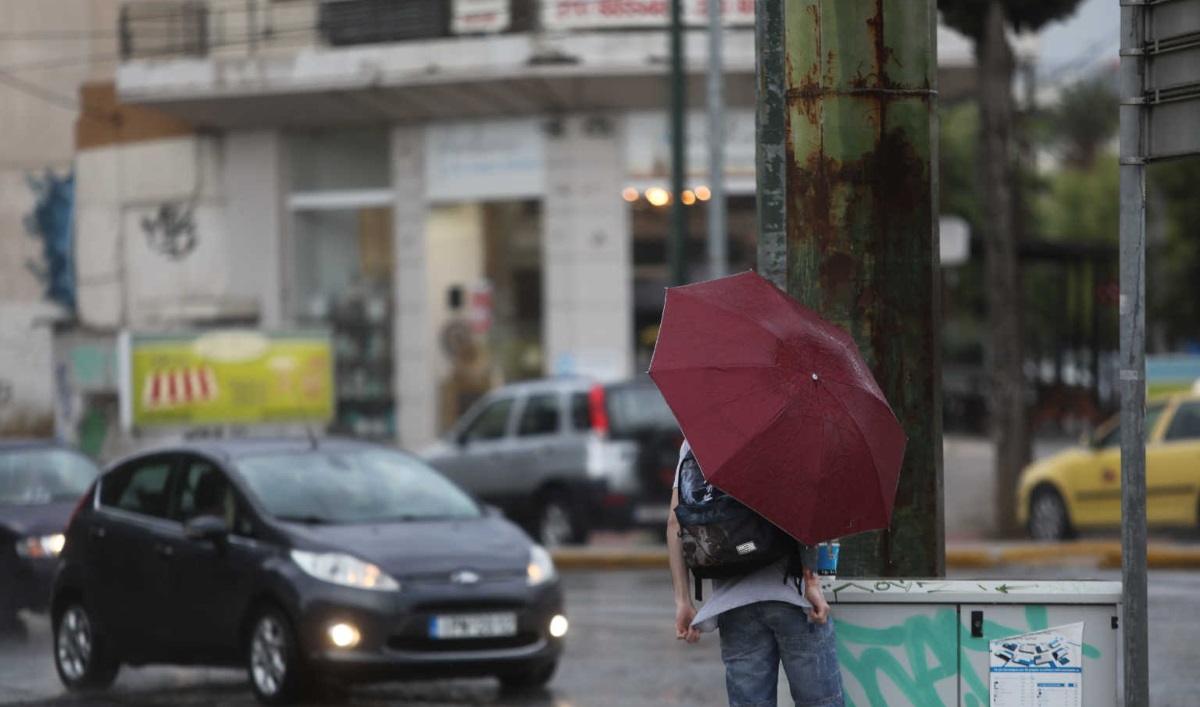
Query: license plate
x=473, y=625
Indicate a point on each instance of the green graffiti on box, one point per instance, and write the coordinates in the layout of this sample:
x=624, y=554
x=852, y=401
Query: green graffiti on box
x=916, y=655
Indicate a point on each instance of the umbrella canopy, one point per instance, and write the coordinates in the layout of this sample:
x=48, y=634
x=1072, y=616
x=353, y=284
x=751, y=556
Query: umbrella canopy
x=779, y=407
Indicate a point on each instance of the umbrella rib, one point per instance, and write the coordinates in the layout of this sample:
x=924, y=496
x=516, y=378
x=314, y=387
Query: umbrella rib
x=862, y=434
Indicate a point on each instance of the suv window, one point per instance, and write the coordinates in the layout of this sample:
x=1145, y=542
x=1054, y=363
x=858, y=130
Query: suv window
x=540, y=416
x=1186, y=423
x=205, y=490
x=491, y=423
x=581, y=412
x=140, y=487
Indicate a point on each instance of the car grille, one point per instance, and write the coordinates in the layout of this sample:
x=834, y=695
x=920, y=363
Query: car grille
x=434, y=645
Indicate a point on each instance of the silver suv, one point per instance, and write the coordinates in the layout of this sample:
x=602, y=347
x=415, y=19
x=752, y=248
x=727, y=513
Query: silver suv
x=565, y=456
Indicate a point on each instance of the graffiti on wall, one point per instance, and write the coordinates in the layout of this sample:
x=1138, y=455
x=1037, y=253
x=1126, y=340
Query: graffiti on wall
x=50, y=223
x=171, y=231
x=922, y=655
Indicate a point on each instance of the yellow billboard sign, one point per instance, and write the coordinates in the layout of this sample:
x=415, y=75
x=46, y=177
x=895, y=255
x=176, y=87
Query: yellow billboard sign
x=226, y=377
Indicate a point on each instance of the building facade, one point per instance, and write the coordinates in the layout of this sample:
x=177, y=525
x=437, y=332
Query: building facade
x=464, y=193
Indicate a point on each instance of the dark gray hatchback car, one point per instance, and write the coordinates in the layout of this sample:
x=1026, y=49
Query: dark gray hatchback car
x=304, y=561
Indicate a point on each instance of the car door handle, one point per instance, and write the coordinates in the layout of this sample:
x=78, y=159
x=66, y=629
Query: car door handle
x=164, y=551
x=97, y=532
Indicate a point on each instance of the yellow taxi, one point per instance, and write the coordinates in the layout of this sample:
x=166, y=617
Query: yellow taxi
x=1080, y=488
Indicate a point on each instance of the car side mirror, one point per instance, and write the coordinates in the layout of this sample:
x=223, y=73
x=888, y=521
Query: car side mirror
x=492, y=511
x=208, y=528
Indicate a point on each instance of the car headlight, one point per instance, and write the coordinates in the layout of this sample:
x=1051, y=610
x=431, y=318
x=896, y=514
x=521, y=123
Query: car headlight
x=541, y=567
x=41, y=546
x=343, y=569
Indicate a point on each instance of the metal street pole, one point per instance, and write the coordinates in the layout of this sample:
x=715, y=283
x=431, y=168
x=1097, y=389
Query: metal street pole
x=717, y=237
x=861, y=232
x=1133, y=356
x=679, y=224
x=770, y=128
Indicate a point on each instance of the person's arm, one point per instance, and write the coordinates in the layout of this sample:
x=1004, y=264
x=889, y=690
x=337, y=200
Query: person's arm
x=812, y=592
x=685, y=611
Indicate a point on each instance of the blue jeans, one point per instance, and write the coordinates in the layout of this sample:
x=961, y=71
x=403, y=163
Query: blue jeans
x=754, y=640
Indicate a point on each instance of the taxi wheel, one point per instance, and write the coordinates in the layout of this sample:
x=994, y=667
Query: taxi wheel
x=273, y=659
x=533, y=676
x=1048, y=519
x=81, y=656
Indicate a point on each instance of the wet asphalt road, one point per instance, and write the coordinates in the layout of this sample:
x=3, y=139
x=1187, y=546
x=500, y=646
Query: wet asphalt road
x=621, y=651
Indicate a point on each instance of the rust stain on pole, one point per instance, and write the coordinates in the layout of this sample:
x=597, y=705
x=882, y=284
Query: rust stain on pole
x=860, y=231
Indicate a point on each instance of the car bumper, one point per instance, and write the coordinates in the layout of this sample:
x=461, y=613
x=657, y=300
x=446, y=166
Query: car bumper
x=33, y=582
x=395, y=641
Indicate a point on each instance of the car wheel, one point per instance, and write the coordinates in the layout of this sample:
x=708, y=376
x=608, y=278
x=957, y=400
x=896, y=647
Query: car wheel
x=559, y=523
x=533, y=676
x=1048, y=519
x=81, y=656
x=273, y=659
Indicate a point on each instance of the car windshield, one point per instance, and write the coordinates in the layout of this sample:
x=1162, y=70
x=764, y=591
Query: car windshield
x=34, y=476
x=632, y=408
x=347, y=487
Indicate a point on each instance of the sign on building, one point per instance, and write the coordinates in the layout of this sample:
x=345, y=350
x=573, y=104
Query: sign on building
x=480, y=16
x=225, y=378
x=608, y=14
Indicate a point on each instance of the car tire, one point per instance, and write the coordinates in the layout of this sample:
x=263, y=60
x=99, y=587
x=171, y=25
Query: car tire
x=83, y=658
x=531, y=677
x=273, y=659
x=559, y=521
x=1048, y=517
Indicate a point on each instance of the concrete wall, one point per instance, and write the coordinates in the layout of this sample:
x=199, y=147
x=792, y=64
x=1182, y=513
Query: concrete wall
x=129, y=276
x=588, y=287
x=38, y=109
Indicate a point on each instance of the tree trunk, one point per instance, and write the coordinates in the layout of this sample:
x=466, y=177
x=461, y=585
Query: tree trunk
x=1008, y=419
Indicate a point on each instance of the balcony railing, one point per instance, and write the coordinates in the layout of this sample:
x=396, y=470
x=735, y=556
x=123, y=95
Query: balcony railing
x=152, y=29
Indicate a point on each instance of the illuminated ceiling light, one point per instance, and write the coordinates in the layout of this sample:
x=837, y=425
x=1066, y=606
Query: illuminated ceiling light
x=629, y=194
x=703, y=194
x=658, y=196
x=688, y=197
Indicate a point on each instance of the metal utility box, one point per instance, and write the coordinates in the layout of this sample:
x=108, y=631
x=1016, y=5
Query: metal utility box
x=928, y=642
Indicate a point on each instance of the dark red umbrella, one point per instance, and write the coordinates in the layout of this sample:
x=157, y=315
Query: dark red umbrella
x=779, y=407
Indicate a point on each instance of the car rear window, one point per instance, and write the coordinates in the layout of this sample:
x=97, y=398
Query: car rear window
x=340, y=487
x=629, y=409
x=33, y=476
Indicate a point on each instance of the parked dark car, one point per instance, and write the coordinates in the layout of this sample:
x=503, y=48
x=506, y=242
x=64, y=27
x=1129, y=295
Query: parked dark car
x=40, y=482
x=304, y=562
x=565, y=456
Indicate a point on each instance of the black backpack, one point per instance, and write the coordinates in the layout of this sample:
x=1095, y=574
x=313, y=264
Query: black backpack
x=721, y=536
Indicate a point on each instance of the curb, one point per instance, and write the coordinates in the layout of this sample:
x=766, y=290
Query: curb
x=1098, y=554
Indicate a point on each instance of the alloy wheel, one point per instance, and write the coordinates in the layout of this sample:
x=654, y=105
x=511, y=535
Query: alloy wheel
x=74, y=643
x=556, y=529
x=1047, y=517
x=268, y=655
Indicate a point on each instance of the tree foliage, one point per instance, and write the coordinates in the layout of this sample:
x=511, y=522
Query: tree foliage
x=967, y=16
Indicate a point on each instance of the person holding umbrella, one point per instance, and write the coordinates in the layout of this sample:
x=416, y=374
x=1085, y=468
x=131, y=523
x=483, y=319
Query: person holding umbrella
x=782, y=414
x=763, y=619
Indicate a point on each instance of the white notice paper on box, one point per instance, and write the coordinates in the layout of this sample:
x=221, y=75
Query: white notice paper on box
x=1040, y=669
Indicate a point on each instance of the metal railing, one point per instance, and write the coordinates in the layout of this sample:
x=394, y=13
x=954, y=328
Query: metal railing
x=171, y=29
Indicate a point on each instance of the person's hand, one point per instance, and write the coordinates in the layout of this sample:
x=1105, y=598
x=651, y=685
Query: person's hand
x=812, y=592
x=684, y=613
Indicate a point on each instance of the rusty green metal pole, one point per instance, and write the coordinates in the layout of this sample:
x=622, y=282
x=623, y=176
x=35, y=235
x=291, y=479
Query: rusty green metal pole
x=861, y=78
